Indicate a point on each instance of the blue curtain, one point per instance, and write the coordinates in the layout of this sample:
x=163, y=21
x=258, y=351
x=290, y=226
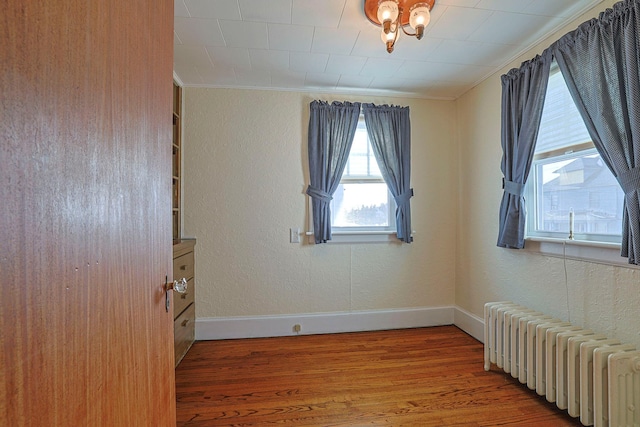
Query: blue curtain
x=523, y=93
x=331, y=131
x=389, y=131
x=600, y=62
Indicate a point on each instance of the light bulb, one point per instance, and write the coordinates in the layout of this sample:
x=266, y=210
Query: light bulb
x=390, y=38
x=419, y=17
x=387, y=11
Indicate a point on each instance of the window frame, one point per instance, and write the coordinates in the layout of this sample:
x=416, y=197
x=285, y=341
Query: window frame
x=361, y=231
x=532, y=192
x=544, y=240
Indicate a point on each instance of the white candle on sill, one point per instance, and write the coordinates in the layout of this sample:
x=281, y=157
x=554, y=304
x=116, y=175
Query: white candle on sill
x=571, y=223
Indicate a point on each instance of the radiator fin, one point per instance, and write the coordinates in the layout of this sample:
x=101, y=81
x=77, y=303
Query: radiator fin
x=562, y=366
x=601, y=381
x=490, y=327
x=542, y=361
x=624, y=389
x=515, y=343
x=527, y=354
x=553, y=359
x=508, y=335
x=573, y=379
x=587, y=373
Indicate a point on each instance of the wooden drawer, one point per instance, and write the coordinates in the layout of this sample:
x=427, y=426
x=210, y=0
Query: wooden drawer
x=184, y=332
x=183, y=266
x=182, y=301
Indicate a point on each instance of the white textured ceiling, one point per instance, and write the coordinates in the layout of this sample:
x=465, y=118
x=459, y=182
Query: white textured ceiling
x=330, y=46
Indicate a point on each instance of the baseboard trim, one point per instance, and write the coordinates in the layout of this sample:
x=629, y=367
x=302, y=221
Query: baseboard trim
x=217, y=328
x=470, y=323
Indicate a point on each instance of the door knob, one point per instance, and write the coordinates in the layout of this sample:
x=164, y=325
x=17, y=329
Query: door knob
x=179, y=285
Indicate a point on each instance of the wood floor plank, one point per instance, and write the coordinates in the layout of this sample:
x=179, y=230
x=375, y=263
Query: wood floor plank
x=411, y=377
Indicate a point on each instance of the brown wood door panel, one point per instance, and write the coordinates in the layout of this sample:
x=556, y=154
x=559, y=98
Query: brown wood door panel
x=85, y=228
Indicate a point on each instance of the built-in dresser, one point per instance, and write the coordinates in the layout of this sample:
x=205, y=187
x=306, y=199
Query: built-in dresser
x=184, y=308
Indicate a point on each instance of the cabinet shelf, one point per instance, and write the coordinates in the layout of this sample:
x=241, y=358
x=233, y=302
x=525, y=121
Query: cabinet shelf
x=177, y=162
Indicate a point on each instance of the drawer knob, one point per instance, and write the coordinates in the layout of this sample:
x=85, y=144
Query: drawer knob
x=185, y=322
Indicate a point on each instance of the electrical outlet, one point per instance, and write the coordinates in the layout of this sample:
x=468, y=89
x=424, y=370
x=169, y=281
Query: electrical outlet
x=294, y=235
x=296, y=328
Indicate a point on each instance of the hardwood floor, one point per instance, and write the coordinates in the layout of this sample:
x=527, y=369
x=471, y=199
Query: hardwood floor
x=411, y=377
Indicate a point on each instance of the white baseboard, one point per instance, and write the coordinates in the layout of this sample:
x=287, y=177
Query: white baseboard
x=322, y=323
x=470, y=323
x=217, y=328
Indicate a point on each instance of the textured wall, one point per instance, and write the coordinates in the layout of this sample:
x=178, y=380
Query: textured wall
x=245, y=162
x=604, y=298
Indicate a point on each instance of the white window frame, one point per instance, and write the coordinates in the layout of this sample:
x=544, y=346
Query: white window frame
x=590, y=247
x=531, y=194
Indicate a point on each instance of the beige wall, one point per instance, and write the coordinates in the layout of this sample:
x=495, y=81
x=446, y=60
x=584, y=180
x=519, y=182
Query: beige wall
x=245, y=175
x=604, y=298
x=246, y=172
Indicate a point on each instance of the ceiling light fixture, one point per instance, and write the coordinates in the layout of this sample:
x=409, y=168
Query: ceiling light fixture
x=392, y=17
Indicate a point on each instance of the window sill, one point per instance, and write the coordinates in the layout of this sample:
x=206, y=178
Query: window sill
x=387, y=236
x=597, y=252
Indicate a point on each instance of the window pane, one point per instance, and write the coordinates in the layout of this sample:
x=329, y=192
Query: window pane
x=581, y=183
x=561, y=125
x=362, y=161
x=360, y=205
x=374, y=170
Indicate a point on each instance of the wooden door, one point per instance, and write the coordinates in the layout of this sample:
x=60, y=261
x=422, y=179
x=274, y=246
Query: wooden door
x=85, y=229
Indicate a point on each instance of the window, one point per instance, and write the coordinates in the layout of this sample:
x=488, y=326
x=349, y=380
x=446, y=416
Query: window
x=362, y=201
x=569, y=182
